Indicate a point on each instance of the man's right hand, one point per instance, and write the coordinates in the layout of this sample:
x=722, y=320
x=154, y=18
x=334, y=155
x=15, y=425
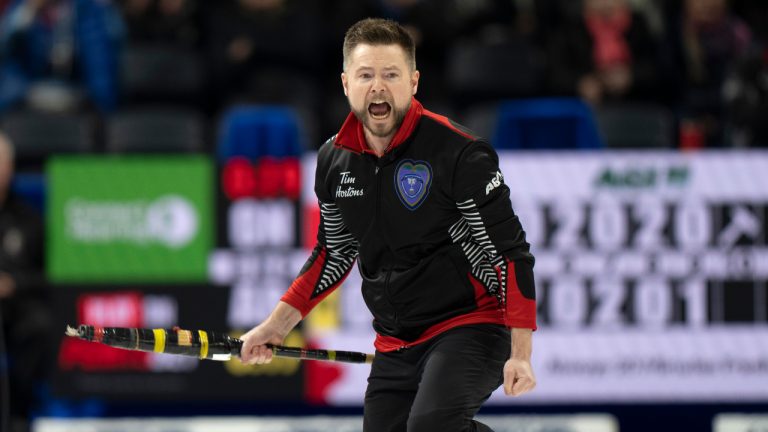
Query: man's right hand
x=272, y=331
x=254, y=350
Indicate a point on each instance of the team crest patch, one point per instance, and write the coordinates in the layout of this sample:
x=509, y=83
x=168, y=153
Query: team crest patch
x=412, y=181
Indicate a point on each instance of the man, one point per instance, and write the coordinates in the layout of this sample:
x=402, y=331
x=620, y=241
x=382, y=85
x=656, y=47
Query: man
x=445, y=265
x=25, y=315
x=60, y=55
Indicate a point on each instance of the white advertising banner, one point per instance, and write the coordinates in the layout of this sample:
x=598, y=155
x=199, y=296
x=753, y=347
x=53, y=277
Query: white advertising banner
x=507, y=423
x=736, y=422
x=651, y=272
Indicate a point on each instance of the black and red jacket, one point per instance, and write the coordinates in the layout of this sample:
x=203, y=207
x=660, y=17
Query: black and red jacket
x=432, y=226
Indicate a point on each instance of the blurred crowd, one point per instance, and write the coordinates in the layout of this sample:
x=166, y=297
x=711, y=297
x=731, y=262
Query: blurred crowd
x=705, y=61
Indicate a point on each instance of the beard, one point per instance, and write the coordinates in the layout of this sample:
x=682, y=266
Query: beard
x=382, y=130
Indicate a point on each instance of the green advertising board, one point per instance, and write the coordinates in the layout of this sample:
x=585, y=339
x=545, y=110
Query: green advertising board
x=129, y=219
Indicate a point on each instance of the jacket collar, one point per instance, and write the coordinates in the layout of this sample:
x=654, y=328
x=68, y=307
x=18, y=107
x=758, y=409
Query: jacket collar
x=351, y=136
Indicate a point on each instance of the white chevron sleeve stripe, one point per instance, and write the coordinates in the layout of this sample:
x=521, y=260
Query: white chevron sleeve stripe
x=340, y=245
x=469, y=231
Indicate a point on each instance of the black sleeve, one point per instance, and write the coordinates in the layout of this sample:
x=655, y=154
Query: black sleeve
x=334, y=254
x=479, y=183
x=483, y=200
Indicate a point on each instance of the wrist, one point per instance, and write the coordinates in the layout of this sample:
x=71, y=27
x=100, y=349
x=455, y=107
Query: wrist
x=522, y=344
x=282, y=320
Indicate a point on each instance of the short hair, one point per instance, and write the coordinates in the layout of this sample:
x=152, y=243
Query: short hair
x=379, y=31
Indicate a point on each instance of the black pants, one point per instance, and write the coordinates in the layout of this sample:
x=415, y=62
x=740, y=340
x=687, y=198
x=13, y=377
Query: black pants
x=438, y=385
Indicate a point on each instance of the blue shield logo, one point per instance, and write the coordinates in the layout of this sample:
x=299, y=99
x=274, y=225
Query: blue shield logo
x=412, y=181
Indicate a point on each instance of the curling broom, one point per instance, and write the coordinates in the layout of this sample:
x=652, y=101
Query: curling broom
x=199, y=343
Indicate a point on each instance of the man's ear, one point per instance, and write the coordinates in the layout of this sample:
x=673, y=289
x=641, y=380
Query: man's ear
x=344, y=82
x=415, y=81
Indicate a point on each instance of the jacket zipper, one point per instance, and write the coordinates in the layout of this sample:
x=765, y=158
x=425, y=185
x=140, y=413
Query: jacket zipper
x=378, y=218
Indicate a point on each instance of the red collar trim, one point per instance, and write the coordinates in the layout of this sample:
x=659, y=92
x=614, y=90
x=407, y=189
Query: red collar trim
x=351, y=136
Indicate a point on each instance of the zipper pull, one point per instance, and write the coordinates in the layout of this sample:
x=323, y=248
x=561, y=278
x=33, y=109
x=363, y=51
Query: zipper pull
x=377, y=170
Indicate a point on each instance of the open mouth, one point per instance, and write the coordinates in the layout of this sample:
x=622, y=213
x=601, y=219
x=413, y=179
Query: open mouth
x=379, y=110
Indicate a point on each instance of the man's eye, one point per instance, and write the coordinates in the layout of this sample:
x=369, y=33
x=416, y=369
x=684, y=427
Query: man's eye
x=366, y=76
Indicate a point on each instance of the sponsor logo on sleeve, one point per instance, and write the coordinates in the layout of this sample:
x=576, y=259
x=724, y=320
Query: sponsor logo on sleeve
x=495, y=182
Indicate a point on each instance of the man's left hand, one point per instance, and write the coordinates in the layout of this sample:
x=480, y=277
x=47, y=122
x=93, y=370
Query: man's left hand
x=518, y=377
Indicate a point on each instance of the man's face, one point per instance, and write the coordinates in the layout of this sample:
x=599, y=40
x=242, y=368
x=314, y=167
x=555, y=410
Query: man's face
x=379, y=86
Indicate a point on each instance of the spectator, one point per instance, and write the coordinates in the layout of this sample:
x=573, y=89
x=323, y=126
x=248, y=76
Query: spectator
x=746, y=101
x=24, y=310
x=171, y=22
x=59, y=54
x=436, y=25
x=755, y=14
x=608, y=53
x=709, y=42
x=264, y=50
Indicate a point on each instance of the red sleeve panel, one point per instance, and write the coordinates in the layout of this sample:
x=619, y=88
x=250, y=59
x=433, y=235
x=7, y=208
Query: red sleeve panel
x=519, y=295
x=305, y=292
x=483, y=200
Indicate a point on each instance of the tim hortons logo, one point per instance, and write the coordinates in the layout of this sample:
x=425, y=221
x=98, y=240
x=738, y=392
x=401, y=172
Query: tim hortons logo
x=348, y=190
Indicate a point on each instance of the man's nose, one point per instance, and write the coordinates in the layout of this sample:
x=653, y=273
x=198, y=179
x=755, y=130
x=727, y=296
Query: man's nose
x=377, y=85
